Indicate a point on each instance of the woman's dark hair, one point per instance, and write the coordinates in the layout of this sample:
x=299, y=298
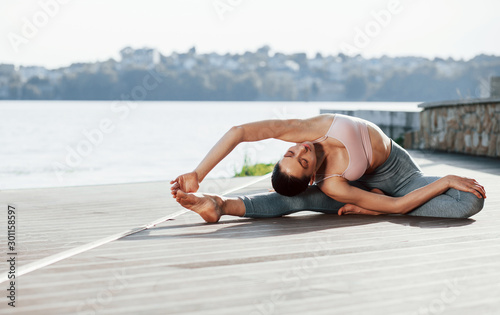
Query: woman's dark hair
x=287, y=185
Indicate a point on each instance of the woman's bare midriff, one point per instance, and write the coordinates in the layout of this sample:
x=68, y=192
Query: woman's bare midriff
x=381, y=147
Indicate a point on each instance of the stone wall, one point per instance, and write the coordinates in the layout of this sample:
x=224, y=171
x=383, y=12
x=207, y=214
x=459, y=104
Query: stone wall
x=471, y=127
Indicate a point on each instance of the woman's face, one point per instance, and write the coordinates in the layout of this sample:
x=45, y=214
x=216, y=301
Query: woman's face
x=299, y=160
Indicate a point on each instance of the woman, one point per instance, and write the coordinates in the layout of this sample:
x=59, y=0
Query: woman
x=343, y=158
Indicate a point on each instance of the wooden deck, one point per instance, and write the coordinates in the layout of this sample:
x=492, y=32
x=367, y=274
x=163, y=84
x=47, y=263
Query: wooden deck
x=301, y=264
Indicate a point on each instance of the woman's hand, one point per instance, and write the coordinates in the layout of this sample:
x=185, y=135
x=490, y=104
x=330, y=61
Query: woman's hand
x=187, y=183
x=466, y=184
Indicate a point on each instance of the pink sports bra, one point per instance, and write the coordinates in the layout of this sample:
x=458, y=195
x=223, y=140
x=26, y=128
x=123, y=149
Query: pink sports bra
x=353, y=133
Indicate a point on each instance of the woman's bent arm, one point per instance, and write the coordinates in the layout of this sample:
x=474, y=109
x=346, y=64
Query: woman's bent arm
x=295, y=130
x=219, y=151
x=292, y=130
x=341, y=191
x=189, y=182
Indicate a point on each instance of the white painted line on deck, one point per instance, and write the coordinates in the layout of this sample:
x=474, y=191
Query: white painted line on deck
x=22, y=270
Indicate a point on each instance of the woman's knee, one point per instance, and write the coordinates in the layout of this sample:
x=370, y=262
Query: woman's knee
x=472, y=206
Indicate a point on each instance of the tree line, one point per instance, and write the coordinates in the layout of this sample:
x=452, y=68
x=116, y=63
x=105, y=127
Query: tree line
x=258, y=76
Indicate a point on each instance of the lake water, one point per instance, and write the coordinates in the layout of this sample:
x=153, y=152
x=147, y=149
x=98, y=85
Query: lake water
x=68, y=143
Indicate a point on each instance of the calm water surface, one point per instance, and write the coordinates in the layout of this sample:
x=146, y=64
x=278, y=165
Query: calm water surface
x=67, y=143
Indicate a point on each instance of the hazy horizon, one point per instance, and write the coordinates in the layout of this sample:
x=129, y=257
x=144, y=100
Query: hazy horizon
x=272, y=52
x=57, y=33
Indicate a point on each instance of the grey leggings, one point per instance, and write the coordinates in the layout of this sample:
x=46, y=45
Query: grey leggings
x=398, y=176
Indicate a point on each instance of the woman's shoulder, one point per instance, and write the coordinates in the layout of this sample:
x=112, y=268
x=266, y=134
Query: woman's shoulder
x=322, y=119
x=320, y=124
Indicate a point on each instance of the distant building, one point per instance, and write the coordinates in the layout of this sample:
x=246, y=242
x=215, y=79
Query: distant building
x=54, y=76
x=139, y=58
x=277, y=62
x=189, y=63
x=292, y=65
x=216, y=60
x=6, y=73
x=336, y=70
x=316, y=63
x=7, y=68
x=75, y=68
x=447, y=69
x=4, y=86
x=26, y=73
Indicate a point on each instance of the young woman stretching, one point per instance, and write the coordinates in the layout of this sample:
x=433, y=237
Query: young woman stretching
x=340, y=164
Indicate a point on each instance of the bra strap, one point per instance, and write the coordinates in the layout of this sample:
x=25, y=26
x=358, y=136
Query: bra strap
x=329, y=176
x=320, y=139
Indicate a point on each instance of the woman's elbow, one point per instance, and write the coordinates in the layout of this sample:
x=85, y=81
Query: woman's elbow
x=236, y=129
x=238, y=132
x=471, y=205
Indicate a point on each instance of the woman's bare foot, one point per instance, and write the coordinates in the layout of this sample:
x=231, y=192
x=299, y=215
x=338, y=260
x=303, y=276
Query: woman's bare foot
x=209, y=207
x=352, y=209
x=377, y=191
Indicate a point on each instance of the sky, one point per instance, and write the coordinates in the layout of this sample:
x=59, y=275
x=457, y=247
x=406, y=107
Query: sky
x=56, y=33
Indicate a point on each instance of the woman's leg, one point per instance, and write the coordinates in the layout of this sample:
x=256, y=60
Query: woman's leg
x=452, y=204
x=268, y=205
x=400, y=175
x=264, y=205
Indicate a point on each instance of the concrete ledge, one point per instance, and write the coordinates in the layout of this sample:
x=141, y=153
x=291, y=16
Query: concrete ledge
x=394, y=123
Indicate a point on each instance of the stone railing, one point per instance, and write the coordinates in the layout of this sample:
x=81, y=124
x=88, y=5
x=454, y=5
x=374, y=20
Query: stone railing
x=467, y=126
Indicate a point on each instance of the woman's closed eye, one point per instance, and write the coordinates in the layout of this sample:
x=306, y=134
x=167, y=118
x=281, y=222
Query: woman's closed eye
x=303, y=162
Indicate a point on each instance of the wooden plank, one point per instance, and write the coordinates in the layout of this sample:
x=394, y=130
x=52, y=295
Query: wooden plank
x=301, y=264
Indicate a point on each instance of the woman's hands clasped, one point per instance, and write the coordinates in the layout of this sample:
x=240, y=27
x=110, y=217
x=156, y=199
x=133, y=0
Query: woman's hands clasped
x=466, y=184
x=186, y=182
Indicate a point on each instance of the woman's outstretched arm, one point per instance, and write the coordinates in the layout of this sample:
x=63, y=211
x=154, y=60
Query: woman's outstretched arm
x=292, y=130
x=340, y=190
